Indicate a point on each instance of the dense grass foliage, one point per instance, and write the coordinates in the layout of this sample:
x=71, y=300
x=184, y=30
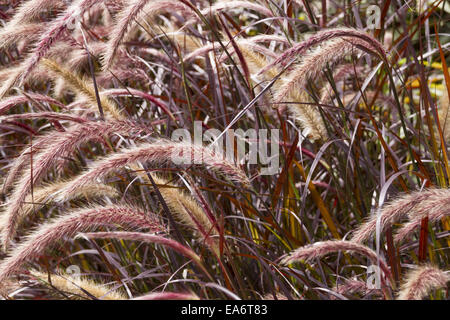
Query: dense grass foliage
x=343, y=196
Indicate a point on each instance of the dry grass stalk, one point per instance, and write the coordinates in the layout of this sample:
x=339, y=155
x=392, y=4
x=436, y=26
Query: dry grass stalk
x=133, y=92
x=54, y=148
x=308, y=115
x=255, y=47
x=145, y=237
x=38, y=75
x=187, y=210
x=155, y=54
x=7, y=103
x=322, y=248
x=82, y=87
x=278, y=296
x=408, y=204
x=230, y=5
x=79, y=58
x=186, y=42
x=351, y=287
x=78, y=286
x=13, y=34
x=246, y=46
x=310, y=68
x=141, y=53
x=161, y=153
x=69, y=225
x=434, y=215
x=370, y=95
x=133, y=10
x=54, y=31
x=444, y=114
x=49, y=116
x=201, y=51
x=421, y=281
x=30, y=10
x=44, y=195
x=256, y=61
x=342, y=71
x=352, y=34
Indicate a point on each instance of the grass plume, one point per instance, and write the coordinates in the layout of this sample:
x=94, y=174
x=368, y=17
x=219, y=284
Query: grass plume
x=69, y=225
x=158, y=154
x=78, y=286
x=54, y=148
x=421, y=281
